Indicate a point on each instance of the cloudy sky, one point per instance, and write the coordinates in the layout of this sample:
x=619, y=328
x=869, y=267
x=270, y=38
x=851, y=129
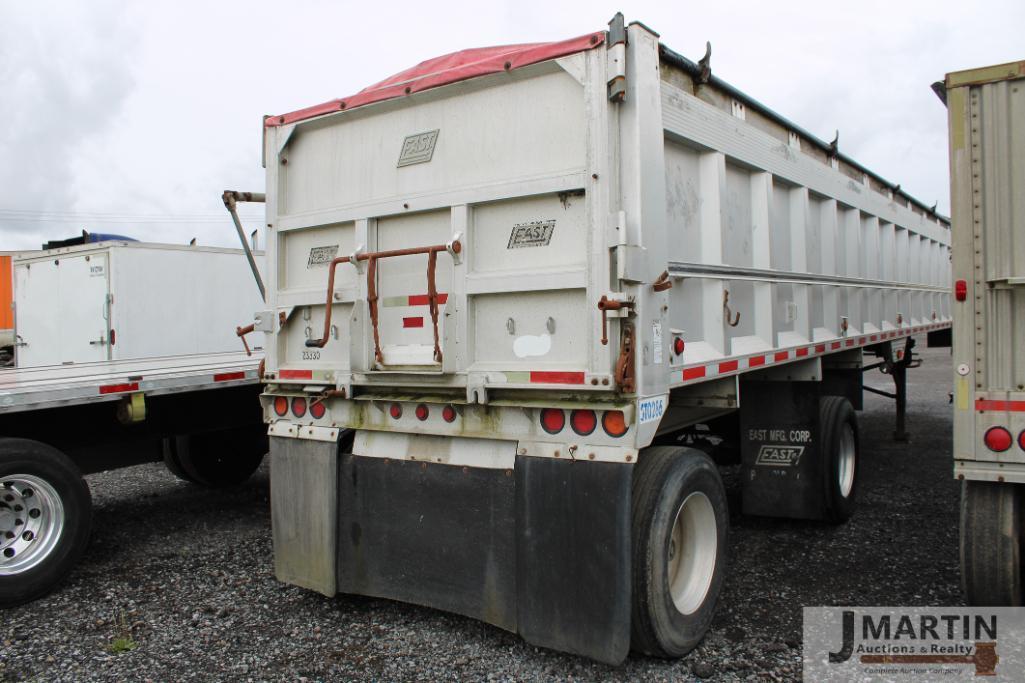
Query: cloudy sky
x=132, y=117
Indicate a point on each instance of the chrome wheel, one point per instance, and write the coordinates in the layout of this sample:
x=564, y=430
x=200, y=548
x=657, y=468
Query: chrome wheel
x=847, y=460
x=31, y=522
x=693, y=545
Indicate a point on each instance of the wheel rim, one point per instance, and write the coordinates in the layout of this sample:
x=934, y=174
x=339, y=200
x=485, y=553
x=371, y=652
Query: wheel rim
x=847, y=460
x=693, y=545
x=31, y=522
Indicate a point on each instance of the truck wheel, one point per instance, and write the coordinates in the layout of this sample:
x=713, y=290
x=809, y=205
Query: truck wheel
x=171, y=461
x=219, y=459
x=840, y=449
x=991, y=528
x=45, y=517
x=679, y=528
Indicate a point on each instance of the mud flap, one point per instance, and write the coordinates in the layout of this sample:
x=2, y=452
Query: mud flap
x=541, y=549
x=574, y=556
x=304, y=512
x=780, y=458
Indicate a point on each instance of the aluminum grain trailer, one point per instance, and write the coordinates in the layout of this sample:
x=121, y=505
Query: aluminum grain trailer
x=100, y=390
x=986, y=110
x=516, y=294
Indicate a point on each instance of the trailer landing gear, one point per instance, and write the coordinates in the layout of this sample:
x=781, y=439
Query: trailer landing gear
x=896, y=365
x=991, y=533
x=45, y=515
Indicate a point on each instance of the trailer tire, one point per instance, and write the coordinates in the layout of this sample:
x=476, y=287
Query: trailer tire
x=679, y=537
x=841, y=450
x=217, y=459
x=45, y=519
x=991, y=539
x=172, y=463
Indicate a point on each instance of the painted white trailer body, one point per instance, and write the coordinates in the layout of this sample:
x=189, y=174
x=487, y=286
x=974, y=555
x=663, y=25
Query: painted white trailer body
x=618, y=241
x=129, y=300
x=986, y=109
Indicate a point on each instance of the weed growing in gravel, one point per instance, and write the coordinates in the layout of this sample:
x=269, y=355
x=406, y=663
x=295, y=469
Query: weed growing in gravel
x=122, y=641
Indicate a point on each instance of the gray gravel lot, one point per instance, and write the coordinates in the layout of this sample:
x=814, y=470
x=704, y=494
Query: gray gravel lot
x=177, y=584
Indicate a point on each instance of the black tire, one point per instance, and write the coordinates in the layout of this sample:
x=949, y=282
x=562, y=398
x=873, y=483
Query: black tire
x=664, y=478
x=991, y=528
x=218, y=459
x=838, y=422
x=53, y=553
x=171, y=460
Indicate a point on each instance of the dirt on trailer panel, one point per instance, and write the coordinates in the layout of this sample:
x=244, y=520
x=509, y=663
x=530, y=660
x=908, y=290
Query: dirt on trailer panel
x=177, y=583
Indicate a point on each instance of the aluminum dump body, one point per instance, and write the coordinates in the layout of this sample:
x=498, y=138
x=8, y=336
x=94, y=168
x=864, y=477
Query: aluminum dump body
x=778, y=247
x=496, y=278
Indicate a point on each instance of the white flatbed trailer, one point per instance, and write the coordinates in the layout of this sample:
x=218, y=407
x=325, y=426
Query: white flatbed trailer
x=59, y=386
x=108, y=311
x=986, y=111
x=586, y=264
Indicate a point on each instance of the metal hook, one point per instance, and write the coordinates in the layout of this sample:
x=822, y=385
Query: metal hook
x=727, y=311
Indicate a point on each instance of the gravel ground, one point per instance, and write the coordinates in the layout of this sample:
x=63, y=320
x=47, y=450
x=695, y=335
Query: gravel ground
x=177, y=583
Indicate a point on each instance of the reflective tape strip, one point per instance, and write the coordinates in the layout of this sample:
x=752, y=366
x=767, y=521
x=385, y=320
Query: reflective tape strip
x=412, y=300
x=119, y=388
x=229, y=376
x=736, y=365
x=982, y=404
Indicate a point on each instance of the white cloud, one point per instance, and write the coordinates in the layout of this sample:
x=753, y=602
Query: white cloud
x=154, y=108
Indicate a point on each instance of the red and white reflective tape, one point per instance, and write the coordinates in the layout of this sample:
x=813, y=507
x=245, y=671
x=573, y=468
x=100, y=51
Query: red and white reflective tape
x=118, y=388
x=724, y=367
x=999, y=406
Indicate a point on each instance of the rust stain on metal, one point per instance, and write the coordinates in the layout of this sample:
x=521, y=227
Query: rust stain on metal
x=625, y=363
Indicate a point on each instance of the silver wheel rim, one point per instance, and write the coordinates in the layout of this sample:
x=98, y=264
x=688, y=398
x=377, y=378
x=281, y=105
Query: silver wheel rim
x=31, y=522
x=693, y=545
x=847, y=461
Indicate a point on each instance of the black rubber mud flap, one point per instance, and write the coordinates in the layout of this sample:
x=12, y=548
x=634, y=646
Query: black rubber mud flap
x=780, y=449
x=573, y=573
x=542, y=549
x=437, y=535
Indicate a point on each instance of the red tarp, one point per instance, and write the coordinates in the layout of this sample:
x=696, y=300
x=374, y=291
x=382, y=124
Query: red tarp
x=450, y=68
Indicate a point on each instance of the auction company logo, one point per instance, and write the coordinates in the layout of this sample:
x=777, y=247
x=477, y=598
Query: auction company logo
x=913, y=643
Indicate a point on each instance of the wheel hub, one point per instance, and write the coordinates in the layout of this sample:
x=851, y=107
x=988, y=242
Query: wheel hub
x=31, y=521
x=847, y=461
x=693, y=545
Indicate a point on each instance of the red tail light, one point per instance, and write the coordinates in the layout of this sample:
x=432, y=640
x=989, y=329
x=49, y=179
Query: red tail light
x=961, y=290
x=583, y=421
x=318, y=409
x=395, y=411
x=553, y=420
x=281, y=406
x=1021, y=440
x=422, y=412
x=299, y=406
x=449, y=413
x=678, y=346
x=614, y=423
x=997, y=439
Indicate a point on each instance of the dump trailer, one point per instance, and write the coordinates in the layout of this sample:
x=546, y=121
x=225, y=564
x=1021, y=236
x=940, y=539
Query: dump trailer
x=520, y=297
x=128, y=353
x=986, y=110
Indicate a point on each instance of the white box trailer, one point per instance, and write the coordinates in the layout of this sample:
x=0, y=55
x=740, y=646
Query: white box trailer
x=144, y=364
x=553, y=272
x=121, y=300
x=986, y=109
